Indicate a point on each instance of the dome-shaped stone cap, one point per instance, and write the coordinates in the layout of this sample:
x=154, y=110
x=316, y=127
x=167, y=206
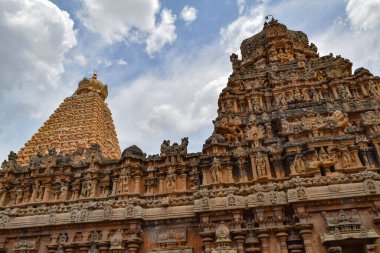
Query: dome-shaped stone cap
x=276, y=35
x=222, y=233
x=92, y=84
x=133, y=151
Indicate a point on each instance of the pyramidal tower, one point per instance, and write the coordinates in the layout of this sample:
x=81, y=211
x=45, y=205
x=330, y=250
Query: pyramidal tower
x=81, y=120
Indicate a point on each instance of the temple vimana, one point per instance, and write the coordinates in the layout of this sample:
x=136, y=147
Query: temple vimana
x=292, y=166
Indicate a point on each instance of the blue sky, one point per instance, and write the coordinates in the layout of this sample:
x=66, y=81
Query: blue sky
x=165, y=62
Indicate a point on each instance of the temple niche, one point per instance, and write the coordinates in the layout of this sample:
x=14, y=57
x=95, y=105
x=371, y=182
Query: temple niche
x=292, y=166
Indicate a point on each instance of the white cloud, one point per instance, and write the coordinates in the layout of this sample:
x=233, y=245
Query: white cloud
x=35, y=35
x=241, y=5
x=180, y=101
x=121, y=62
x=132, y=21
x=355, y=36
x=114, y=20
x=80, y=59
x=246, y=25
x=189, y=14
x=363, y=14
x=163, y=33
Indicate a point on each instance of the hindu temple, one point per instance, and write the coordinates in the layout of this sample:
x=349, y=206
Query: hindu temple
x=292, y=166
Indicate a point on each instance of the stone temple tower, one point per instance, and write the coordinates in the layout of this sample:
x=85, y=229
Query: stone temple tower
x=81, y=120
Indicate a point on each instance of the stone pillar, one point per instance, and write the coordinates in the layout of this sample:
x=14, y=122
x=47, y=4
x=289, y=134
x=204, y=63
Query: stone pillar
x=239, y=239
x=114, y=186
x=3, y=197
x=264, y=240
x=103, y=248
x=282, y=237
x=355, y=154
x=161, y=181
x=204, y=177
x=207, y=243
x=47, y=192
x=183, y=177
x=94, y=188
x=70, y=249
x=133, y=247
x=137, y=183
x=250, y=104
x=278, y=168
x=83, y=249
x=34, y=193
x=306, y=236
x=51, y=248
x=229, y=176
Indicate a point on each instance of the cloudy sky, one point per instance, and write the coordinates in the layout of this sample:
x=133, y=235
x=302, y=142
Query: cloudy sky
x=165, y=62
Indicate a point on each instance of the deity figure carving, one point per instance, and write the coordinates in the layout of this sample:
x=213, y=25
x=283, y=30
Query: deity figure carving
x=171, y=180
x=232, y=131
x=261, y=166
x=298, y=96
x=268, y=128
x=87, y=189
x=216, y=170
x=63, y=192
x=340, y=119
x=343, y=92
x=235, y=62
x=124, y=182
x=256, y=105
x=255, y=133
x=299, y=164
x=282, y=99
x=19, y=195
x=374, y=89
x=165, y=148
x=314, y=94
x=347, y=159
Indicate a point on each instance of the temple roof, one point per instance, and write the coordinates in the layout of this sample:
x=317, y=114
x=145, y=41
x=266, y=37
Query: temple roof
x=81, y=120
x=275, y=40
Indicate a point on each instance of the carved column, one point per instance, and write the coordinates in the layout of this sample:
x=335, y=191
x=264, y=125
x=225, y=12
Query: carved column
x=137, y=183
x=183, y=181
x=83, y=249
x=133, y=247
x=70, y=249
x=204, y=177
x=34, y=193
x=3, y=197
x=94, y=184
x=305, y=232
x=355, y=154
x=161, y=181
x=264, y=240
x=103, y=248
x=51, y=248
x=114, y=186
x=47, y=192
x=277, y=163
x=207, y=244
x=229, y=170
x=282, y=237
x=239, y=239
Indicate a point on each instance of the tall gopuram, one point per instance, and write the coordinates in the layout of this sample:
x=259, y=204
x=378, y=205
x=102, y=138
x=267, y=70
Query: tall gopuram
x=291, y=167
